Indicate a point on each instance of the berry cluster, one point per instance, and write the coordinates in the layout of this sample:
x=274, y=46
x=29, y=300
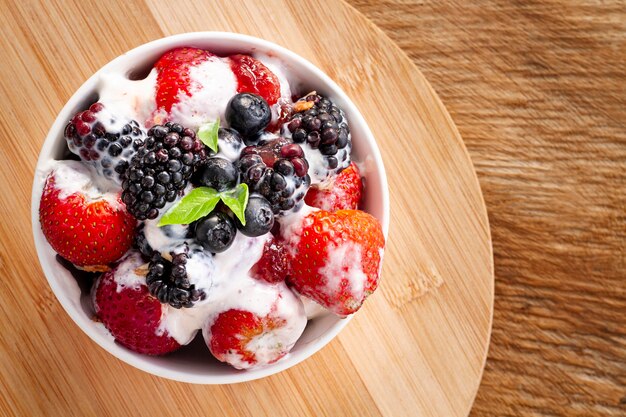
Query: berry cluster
x=321, y=125
x=168, y=281
x=276, y=169
x=161, y=169
x=100, y=228
x=108, y=150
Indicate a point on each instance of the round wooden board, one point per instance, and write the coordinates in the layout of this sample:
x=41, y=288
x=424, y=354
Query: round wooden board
x=414, y=349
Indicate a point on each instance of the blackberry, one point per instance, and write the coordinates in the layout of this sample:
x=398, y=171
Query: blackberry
x=160, y=169
x=318, y=125
x=141, y=242
x=110, y=148
x=168, y=281
x=276, y=169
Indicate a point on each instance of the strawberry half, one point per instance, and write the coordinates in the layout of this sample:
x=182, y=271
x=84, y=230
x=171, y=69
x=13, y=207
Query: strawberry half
x=126, y=308
x=254, y=77
x=343, y=192
x=336, y=258
x=82, y=224
x=173, y=74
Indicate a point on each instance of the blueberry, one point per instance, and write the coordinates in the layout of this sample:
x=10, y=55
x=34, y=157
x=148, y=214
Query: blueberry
x=248, y=113
x=259, y=217
x=229, y=141
x=218, y=173
x=216, y=232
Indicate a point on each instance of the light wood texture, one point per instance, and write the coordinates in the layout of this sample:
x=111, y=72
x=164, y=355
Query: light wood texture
x=538, y=92
x=410, y=351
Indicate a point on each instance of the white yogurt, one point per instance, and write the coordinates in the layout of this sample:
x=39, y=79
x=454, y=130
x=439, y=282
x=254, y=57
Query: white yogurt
x=343, y=264
x=71, y=177
x=228, y=285
x=125, y=100
x=126, y=274
x=213, y=84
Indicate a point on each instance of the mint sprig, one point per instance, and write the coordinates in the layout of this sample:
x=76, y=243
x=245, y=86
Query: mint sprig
x=208, y=132
x=202, y=200
x=198, y=203
x=237, y=201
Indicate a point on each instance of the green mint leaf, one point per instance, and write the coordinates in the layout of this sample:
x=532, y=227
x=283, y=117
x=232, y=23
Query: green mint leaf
x=237, y=201
x=208, y=134
x=198, y=203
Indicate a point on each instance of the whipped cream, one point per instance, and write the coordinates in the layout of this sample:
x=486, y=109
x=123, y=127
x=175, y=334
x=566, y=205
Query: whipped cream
x=213, y=84
x=72, y=177
x=228, y=285
x=125, y=100
x=343, y=264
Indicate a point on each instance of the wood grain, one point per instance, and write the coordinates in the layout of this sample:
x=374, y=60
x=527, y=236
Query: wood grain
x=538, y=92
x=410, y=351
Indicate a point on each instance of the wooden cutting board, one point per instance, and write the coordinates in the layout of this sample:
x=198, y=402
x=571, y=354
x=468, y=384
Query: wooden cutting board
x=417, y=347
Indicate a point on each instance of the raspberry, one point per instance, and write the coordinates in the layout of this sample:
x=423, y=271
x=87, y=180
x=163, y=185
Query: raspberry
x=320, y=126
x=160, y=169
x=273, y=265
x=276, y=169
x=109, y=151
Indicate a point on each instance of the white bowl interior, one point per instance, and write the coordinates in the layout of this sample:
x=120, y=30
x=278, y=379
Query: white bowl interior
x=194, y=363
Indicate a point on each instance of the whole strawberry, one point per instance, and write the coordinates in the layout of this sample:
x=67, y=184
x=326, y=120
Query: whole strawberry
x=260, y=327
x=126, y=308
x=337, y=258
x=83, y=224
x=342, y=192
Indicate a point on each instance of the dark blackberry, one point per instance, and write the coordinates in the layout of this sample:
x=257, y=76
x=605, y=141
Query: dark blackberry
x=276, y=169
x=141, y=242
x=318, y=125
x=160, y=169
x=168, y=282
x=108, y=149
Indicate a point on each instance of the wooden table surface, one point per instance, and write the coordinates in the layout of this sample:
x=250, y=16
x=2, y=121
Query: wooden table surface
x=538, y=92
x=417, y=348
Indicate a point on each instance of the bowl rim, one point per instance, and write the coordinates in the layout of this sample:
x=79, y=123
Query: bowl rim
x=85, y=323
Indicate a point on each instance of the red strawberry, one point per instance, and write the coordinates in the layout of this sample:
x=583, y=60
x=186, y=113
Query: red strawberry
x=233, y=330
x=245, y=337
x=273, y=265
x=129, y=312
x=82, y=224
x=254, y=77
x=342, y=193
x=173, y=74
x=337, y=258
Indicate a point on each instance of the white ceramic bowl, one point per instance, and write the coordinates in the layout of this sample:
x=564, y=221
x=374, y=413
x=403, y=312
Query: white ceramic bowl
x=194, y=363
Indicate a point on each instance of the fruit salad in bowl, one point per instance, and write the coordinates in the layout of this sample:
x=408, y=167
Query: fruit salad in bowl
x=211, y=208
